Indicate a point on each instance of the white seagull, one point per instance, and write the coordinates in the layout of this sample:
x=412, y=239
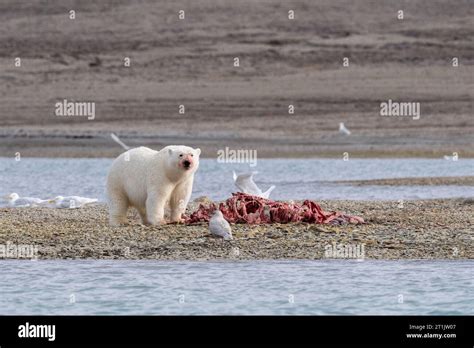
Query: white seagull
x=450, y=158
x=343, y=129
x=14, y=200
x=118, y=141
x=219, y=226
x=71, y=202
x=245, y=183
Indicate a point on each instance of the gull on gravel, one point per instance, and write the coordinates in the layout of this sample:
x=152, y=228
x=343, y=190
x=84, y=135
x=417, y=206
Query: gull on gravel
x=14, y=200
x=245, y=184
x=70, y=202
x=343, y=129
x=219, y=226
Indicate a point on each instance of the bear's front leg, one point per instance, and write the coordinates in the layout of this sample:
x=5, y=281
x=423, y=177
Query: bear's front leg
x=155, y=207
x=177, y=210
x=179, y=200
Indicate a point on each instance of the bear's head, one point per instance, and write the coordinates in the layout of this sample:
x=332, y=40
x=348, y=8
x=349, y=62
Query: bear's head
x=183, y=158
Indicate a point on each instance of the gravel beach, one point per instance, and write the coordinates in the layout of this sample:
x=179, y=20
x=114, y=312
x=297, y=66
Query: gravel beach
x=430, y=229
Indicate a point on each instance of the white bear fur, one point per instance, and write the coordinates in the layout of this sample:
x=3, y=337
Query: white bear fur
x=151, y=181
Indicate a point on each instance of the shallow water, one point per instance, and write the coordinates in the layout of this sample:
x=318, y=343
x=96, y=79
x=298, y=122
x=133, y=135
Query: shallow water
x=256, y=287
x=294, y=178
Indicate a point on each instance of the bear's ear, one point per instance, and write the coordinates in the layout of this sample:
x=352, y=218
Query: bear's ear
x=170, y=152
x=198, y=151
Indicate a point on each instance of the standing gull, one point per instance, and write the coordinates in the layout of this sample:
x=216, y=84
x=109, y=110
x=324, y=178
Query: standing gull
x=245, y=184
x=343, y=129
x=219, y=226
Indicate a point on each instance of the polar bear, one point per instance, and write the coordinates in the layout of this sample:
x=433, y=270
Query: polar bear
x=151, y=181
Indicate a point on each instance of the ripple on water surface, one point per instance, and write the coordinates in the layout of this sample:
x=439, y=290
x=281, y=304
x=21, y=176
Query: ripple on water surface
x=256, y=287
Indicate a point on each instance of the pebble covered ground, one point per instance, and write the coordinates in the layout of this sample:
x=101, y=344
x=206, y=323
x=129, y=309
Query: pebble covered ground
x=430, y=229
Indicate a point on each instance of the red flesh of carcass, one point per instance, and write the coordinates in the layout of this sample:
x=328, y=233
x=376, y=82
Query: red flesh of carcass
x=245, y=208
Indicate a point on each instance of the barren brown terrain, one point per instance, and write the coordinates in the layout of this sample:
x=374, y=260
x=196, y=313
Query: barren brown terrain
x=190, y=62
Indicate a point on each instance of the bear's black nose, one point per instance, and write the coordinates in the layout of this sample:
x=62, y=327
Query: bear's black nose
x=186, y=163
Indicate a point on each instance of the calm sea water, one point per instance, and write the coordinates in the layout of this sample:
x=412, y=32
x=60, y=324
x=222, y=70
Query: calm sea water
x=294, y=178
x=257, y=287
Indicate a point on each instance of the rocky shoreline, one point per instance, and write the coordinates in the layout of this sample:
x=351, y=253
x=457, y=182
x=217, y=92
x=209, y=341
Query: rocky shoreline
x=429, y=229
